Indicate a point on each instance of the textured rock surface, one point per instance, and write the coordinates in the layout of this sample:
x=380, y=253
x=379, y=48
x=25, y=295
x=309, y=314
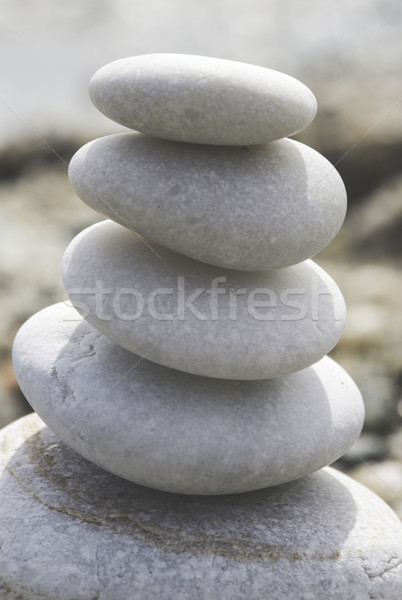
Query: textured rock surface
x=204, y=100
x=255, y=208
x=166, y=307
x=70, y=530
x=179, y=432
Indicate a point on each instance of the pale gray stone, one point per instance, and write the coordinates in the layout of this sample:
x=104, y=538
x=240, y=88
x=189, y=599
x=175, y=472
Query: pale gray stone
x=175, y=431
x=71, y=531
x=166, y=307
x=204, y=100
x=255, y=208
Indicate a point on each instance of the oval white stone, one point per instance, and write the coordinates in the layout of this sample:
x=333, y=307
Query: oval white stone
x=202, y=100
x=198, y=318
x=255, y=208
x=179, y=432
x=103, y=537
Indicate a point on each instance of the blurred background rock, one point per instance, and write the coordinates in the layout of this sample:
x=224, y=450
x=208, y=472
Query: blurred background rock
x=348, y=53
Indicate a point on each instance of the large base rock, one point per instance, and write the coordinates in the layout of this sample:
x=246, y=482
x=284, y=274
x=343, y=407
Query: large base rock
x=71, y=531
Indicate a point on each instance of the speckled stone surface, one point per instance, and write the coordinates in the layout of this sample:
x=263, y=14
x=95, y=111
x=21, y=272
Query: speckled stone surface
x=254, y=208
x=179, y=432
x=203, y=100
x=201, y=319
x=72, y=531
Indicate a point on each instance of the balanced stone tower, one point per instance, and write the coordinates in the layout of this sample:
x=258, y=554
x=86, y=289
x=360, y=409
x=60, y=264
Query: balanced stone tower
x=191, y=369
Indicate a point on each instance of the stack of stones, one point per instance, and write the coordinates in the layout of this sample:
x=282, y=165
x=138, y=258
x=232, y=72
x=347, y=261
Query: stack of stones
x=195, y=366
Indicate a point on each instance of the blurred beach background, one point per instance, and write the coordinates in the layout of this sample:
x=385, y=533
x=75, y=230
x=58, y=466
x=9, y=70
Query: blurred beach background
x=348, y=53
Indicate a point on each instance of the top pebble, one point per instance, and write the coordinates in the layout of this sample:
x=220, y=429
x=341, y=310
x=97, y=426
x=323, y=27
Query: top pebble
x=202, y=100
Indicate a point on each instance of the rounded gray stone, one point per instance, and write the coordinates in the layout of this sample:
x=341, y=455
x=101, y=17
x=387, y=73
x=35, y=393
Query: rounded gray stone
x=198, y=318
x=255, y=208
x=71, y=531
x=203, y=100
x=179, y=432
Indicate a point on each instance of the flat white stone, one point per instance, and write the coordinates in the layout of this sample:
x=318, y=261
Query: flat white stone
x=255, y=208
x=198, y=318
x=70, y=530
x=203, y=100
x=179, y=432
